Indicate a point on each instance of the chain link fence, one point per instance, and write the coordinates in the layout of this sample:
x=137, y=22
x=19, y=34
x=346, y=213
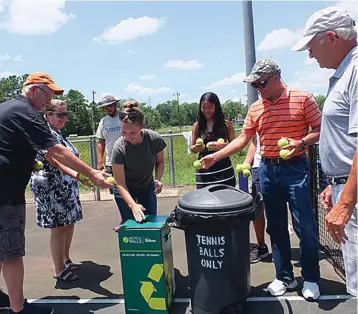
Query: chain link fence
x=88, y=154
x=177, y=158
x=331, y=249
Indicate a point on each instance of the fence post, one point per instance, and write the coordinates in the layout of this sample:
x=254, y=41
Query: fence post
x=171, y=159
x=93, y=150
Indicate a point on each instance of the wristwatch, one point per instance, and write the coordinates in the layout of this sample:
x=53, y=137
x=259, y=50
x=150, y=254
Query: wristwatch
x=304, y=144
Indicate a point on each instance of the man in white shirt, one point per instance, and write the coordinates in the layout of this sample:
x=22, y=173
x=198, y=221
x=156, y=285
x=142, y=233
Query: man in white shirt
x=330, y=37
x=108, y=132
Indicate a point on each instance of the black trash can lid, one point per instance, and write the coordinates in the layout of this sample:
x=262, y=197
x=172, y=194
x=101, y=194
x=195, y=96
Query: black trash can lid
x=216, y=199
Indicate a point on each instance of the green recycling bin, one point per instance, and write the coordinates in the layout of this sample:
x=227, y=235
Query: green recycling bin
x=147, y=265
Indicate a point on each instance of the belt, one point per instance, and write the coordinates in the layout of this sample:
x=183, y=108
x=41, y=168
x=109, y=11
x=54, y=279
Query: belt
x=337, y=180
x=282, y=162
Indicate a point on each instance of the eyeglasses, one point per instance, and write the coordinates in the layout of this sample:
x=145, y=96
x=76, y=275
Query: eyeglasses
x=131, y=116
x=263, y=83
x=59, y=115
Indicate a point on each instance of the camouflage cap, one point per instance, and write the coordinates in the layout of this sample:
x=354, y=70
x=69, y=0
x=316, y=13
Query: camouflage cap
x=260, y=68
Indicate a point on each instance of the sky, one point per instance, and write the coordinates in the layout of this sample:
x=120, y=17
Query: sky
x=152, y=50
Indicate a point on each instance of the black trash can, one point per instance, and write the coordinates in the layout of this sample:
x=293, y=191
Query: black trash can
x=216, y=222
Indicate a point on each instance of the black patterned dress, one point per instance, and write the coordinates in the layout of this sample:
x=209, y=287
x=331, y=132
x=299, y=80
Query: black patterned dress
x=56, y=193
x=221, y=172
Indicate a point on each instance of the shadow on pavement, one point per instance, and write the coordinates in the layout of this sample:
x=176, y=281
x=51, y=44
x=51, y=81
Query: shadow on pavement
x=91, y=275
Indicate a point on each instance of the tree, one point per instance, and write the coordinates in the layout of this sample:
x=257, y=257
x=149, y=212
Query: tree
x=79, y=113
x=320, y=99
x=11, y=86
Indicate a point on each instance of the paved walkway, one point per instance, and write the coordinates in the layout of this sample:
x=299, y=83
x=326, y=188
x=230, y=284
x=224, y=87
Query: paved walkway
x=95, y=245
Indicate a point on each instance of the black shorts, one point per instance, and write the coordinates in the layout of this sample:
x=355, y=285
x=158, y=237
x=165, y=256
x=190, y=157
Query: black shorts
x=12, y=232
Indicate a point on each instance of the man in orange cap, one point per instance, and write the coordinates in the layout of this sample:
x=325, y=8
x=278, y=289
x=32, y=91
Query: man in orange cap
x=24, y=131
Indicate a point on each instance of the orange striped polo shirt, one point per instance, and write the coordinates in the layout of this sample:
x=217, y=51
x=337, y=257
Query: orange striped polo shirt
x=290, y=116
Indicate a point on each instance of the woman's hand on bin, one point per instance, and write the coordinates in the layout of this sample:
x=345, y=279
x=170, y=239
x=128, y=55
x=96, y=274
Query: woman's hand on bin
x=158, y=186
x=138, y=212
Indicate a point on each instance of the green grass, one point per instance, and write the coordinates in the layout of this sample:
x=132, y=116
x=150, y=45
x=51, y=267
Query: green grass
x=183, y=162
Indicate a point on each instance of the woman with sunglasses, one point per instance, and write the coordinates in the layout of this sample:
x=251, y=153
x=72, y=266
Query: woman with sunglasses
x=210, y=126
x=135, y=155
x=56, y=194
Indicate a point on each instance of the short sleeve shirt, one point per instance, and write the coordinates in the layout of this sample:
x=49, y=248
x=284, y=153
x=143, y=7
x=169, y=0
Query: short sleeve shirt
x=23, y=132
x=109, y=131
x=138, y=160
x=338, y=139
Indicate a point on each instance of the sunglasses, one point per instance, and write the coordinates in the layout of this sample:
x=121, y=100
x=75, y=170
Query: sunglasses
x=131, y=116
x=59, y=115
x=263, y=83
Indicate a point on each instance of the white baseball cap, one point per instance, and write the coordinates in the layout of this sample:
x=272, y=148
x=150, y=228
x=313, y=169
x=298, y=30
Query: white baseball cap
x=323, y=20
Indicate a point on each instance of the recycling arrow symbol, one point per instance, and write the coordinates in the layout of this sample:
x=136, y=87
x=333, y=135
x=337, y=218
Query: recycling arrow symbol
x=147, y=289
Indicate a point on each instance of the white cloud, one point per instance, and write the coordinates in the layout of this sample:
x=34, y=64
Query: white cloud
x=233, y=79
x=147, y=76
x=7, y=57
x=350, y=6
x=2, y=6
x=130, y=29
x=286, y=38
x=146, y=91
x=280, y=38
x=312, y=78
x=184, y=65
x=35, y=17
x=5, y=74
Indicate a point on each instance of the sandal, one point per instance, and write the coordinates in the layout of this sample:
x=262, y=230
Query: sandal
x=67, y=275
x=69, y=265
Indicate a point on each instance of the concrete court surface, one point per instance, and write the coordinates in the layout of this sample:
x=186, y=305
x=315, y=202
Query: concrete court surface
x=99, y=290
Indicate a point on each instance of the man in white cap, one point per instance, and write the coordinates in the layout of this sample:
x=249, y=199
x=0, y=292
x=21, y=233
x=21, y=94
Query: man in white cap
x=108, y=132
x=330, y=37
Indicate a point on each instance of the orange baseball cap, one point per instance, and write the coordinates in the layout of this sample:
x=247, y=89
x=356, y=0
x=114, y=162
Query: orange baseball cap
x=43, y=78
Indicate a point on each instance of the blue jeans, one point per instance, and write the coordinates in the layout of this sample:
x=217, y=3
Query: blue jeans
x=290, y=182
x=147, y=198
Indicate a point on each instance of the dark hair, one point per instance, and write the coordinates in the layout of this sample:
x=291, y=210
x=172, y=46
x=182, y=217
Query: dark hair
x=132, y=115
x=220, y=128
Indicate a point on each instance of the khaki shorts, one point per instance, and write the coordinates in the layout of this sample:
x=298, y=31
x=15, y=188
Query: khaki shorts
x=12, y=232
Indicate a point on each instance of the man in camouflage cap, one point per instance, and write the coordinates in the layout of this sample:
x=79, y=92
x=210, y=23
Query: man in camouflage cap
x=261, y=68
x=283, y=112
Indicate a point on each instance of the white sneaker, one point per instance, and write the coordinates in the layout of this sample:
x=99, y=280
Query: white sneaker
x=278, y=287
x=310, y=291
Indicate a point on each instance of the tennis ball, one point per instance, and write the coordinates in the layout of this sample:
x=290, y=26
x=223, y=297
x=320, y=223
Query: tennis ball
x=221, y=140
x=110, y=180
x=38, y=165
x=199, y=141
x=283, y=153
x=246, y=166
x=239, y=168
x=197, y=164
x=246, y=172
x=282, y=142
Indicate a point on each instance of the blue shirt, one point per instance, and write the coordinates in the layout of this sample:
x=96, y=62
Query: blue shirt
x=338, y=139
